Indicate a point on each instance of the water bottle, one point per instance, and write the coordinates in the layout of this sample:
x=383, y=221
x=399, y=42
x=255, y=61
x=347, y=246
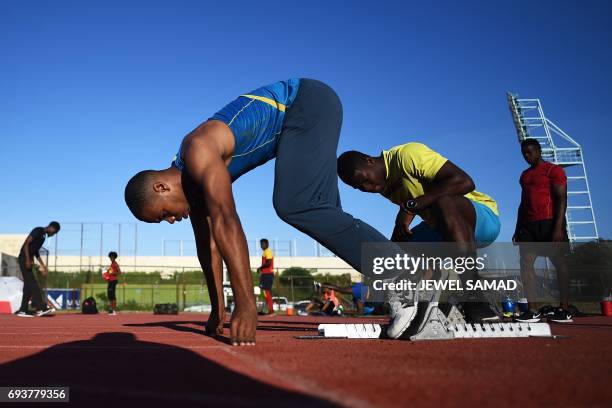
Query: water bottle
x=508, y=307
x=523, y=305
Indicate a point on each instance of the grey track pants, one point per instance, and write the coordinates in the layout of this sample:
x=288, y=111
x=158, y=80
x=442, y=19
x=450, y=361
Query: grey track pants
x=306, y=183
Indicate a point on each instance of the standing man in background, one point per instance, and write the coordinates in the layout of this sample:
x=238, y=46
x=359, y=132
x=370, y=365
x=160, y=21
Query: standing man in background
x=266, y=273
x=31, y=288
x=541, y=218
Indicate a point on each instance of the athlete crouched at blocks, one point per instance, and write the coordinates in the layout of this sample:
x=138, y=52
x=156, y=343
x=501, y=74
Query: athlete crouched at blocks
x=298, y=123
x=422, y=182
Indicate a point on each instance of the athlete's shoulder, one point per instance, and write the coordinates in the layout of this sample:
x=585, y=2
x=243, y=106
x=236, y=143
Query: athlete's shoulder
x=555, y=167
x=557, y=174
x=550, y=168
x=211, y=138
x=37, y=232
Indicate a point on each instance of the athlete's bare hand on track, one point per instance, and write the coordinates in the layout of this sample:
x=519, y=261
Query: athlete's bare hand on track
x=243, y=326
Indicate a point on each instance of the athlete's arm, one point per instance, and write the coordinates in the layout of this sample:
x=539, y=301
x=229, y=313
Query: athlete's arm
x=559, y=196
x=450, y=180
x=43, y=267
x=266, y=264
x=403, y=219
x=206, y=168
x=212, y=266
x=519, y=218
x=26, y=251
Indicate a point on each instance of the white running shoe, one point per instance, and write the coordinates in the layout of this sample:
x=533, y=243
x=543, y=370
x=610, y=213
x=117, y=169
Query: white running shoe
x=403, y=306
x=45, y=312
x=403, y=316
x=112, y=313
x=23, y=314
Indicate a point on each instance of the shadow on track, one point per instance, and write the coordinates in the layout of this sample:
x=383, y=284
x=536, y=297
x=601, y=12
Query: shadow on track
x=116, y=369
x=186, y=326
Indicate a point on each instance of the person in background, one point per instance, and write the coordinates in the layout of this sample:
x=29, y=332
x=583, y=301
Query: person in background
x=331, y=303
x=112, y=276
x=541, y=218
x=325, y=302
x=360, y=295
x=31, y=289
x=266, y=273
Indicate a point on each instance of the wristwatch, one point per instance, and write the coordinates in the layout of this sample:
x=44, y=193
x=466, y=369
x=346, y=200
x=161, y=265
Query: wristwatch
x=411, y=205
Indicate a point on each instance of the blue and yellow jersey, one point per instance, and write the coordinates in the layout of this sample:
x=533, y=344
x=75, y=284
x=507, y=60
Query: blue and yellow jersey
x=256, y=120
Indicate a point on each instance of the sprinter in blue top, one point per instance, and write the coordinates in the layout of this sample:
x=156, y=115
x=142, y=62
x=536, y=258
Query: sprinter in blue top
x=296, y=121
x=256, y=120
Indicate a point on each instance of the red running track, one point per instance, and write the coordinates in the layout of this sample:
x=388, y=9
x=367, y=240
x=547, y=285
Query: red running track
x=138, y=358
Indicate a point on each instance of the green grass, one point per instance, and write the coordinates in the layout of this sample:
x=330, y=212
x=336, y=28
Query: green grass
x=142, y=290
x=144, y=297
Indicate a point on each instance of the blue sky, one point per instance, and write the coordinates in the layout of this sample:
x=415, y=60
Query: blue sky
x=94, y=91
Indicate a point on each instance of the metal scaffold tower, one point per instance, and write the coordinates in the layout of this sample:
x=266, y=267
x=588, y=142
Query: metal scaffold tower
x=559, y=148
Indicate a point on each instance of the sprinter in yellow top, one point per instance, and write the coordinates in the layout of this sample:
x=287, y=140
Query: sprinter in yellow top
x=423, y=182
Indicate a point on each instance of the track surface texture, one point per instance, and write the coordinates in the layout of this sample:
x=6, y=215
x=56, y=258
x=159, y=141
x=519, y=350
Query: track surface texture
x=146, y=360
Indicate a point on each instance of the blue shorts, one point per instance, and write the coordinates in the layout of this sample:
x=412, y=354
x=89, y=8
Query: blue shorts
x=487, y=228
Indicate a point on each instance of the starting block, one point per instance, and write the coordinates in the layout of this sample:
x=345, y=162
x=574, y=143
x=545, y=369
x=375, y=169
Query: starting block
x=351, y=331
x=436, y=325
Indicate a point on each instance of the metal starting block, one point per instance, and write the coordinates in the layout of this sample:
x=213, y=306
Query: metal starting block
x=439, y=326
x=436, y=325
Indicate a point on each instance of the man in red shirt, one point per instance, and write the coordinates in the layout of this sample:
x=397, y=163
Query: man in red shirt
x=541, y=218
x=266, y=271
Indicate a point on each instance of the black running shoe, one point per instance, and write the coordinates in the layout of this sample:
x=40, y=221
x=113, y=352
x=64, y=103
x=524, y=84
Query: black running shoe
x=46, y=312
x=479, y=312
x=529, y=317
x=561, y=316
x=575, y=312
x=546, y=311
